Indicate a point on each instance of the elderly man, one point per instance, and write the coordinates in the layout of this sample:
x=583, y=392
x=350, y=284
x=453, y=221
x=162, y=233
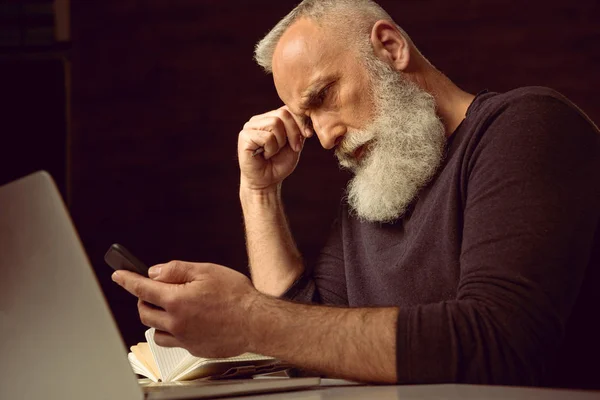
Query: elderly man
x=465, y=252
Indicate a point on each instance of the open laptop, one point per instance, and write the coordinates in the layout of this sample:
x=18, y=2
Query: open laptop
x=58, y=339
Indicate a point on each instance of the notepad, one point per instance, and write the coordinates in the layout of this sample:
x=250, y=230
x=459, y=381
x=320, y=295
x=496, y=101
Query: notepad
x=172, y=364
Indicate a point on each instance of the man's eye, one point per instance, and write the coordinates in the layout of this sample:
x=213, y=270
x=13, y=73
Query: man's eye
x=323, y=94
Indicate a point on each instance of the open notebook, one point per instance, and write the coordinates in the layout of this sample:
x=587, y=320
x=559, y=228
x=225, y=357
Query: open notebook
x=163, y=364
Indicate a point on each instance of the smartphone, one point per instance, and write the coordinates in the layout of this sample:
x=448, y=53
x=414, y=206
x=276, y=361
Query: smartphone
x=119, y=257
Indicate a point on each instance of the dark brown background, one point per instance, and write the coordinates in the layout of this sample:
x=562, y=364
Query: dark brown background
x=160, y=90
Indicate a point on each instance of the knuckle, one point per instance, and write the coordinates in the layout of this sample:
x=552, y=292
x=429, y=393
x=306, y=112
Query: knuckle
x=287, y=116
x=136, y=288
x=279, y=114
x=144, y=319
x=246, y=136
x=264, y=135
x=279, y=125
x=174, y=264
x=143, y=315
x=170, y=302
x=283, y=112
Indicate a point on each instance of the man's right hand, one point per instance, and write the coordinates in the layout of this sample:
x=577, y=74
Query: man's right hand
x=281, y=137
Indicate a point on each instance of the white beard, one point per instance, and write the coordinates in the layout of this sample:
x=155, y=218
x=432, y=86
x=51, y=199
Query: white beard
x=406, y=146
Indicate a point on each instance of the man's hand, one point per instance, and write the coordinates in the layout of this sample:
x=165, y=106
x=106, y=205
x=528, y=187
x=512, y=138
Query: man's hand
x=213, y=311
x=281, y=137
x=203, y=307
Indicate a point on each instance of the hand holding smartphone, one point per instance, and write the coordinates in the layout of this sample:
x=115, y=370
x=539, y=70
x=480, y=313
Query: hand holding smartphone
x=118, y=257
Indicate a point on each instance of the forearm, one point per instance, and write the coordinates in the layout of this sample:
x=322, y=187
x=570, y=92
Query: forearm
x=351, y=343
x=275, y=262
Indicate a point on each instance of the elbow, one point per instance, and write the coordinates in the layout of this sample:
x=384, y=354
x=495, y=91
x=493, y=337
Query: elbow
x=521, y=350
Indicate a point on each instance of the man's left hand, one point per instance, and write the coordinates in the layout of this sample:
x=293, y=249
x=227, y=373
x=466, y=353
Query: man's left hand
x=201, y=307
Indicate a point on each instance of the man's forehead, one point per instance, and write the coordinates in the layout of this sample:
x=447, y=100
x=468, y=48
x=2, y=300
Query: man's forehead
x=302, y=57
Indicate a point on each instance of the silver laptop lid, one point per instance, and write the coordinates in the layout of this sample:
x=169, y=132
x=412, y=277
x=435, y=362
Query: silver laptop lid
x=58, y=339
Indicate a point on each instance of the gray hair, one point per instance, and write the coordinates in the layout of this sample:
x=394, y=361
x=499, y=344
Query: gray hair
x=354, y=18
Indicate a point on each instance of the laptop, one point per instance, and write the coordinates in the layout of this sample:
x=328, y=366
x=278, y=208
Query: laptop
x=58, y=339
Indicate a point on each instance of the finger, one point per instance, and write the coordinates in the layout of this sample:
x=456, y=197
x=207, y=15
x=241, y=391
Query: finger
x=291, y=125
x=165, y=339
x=255, y=139
x=141, y=287
x=249, y=142
x=304, y=131
x=153, y=317
x=272, y=144
x=292, y=128
x=173, y=272
x=272, y=124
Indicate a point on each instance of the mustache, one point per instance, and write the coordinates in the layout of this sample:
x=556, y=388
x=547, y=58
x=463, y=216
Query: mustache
x=351, y=142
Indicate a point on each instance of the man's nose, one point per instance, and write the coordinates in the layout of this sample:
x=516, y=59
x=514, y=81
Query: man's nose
x=330, y=135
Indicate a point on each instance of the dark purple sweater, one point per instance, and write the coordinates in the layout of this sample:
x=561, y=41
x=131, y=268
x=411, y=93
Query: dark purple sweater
x=495, y=267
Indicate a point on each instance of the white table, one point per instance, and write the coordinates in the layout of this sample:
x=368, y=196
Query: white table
x=337, y=390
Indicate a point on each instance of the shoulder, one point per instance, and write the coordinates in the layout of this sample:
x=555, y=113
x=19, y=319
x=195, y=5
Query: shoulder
x=533, y=133
x=533, y=93
x=534, y=104
x=529, y=119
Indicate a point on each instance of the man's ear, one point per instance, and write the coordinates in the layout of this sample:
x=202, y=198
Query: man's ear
x=390, y=45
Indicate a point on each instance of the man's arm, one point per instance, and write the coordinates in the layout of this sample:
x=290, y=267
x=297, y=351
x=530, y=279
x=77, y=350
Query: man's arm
x=275, y=262
x=351, y=343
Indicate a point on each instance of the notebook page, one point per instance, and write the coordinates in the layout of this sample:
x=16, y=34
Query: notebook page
x=184, y=366
x=139, y=368
x=167, y=359
x=144, y=355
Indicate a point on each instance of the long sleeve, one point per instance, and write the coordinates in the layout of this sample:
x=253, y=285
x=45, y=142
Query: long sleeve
x=325, y=283
x=530, y=213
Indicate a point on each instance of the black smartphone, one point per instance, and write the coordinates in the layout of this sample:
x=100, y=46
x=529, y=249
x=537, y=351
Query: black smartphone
x=119, y=257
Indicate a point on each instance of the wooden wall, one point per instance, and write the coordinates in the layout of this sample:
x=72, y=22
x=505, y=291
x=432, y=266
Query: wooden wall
x=162, y=88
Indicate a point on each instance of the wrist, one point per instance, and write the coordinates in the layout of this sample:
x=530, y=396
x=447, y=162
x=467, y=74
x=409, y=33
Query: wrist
x=252, y=307
x=261, y=196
